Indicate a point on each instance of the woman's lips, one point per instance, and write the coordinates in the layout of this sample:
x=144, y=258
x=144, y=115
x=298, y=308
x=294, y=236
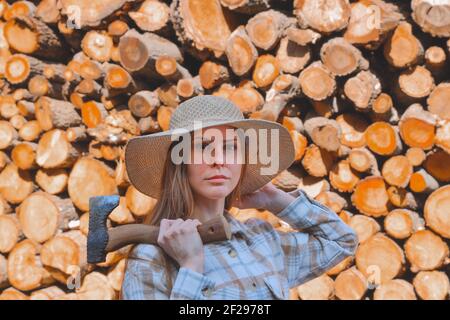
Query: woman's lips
x=218, y=178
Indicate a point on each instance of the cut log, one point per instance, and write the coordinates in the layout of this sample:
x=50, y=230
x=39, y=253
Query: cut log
x=3, y=274
x=240, y=51
x=362, y=90
x=75, y=134
x=432, y=16
x=396, y=289
x=365, y=227
x=13, y=294
x=119, y=81
x=93, y=113
x=9, y=235
x=284, y=88
x=380, y=259
x=397, y=171
x=152, y=15
x=138, y=52
x=193, y=21
x=246, y=6
x=416, y=156
x=332, y=200
x=53, y=113
x=402, y=223
x=402, y=198
x=48, y=11
x=20, y=67
x=320, y=288
x=436, y=164
x=213, y=74
x=15, y=184
x=353, y=127
x=403, y=49
x=325, y=133
x=436, y=213
x=302, y=37
x=422, y=181
x=29, y=35
x=313, y=186
x=41, y=215
x=300, y=144
x=64, y=256
x=343, y=178
x=266, y=28
x=30, y=131
x=442, y=138
x=371, y=197
x=317, y=162
x=436, y=62
x=168, y=68
x=55, y=151
x=24, y=155
x=323, y=16
x=317, y=82
x=52, y=181
x=116, y=275
x=189, y=87
x=139, y=203
x=122, y=214
x=291, y=56
x=362, y=160
x=48, y=293
x=371, y=21
x=83, y=13
x=383, y=109
x=350, y=285
x=18, y=8
x=414, y=84
x=342, y=58
x=143, y=103
x=438, y=101
x=383, y=139
x=341, y=266
x=25, y=271
x=266, y=71
x=432, y=285
x=9, y=135
x=88, y=178
x=426, y=251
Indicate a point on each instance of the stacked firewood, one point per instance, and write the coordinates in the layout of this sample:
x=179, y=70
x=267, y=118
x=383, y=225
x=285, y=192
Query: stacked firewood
x=362, y=86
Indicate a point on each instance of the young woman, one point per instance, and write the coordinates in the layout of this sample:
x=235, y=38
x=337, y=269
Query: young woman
x=258, y=262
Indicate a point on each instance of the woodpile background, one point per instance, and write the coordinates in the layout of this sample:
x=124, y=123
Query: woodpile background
x=363, y=88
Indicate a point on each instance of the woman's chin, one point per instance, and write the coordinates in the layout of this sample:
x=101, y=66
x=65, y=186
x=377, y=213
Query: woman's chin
x=215, y=191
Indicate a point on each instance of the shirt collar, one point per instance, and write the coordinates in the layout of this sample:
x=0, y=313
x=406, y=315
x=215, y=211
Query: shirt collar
x=235, y=225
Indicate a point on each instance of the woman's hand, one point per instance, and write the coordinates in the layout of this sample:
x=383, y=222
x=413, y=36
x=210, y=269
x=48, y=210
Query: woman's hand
x=268, y=197
x=180, y=239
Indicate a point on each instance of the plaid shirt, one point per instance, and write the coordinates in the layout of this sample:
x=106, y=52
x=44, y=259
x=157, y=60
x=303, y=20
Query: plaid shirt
x=258, y=262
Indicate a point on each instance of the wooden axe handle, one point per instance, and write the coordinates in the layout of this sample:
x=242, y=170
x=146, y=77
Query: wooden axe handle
x=216, y=229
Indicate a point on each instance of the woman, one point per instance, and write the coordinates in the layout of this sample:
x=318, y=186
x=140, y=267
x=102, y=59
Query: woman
x=258, y=262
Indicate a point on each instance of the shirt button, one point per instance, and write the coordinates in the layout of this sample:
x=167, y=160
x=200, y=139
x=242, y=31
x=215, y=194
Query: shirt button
x=206, y=291
x=232, y=253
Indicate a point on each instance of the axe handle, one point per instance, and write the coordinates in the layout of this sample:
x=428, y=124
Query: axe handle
x=216, y=229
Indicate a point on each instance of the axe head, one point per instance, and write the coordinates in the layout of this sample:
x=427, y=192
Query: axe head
x=99, y=209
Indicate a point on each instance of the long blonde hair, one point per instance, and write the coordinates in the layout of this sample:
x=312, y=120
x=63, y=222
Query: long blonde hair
x=175, y=182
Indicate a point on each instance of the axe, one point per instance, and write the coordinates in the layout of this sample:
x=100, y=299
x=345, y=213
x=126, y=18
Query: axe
x=102, y=240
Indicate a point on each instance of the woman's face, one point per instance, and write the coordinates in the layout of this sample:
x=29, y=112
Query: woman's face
x=215, y=166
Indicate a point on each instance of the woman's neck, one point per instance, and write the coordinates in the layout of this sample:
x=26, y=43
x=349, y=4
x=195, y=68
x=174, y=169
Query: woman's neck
x=206, y=209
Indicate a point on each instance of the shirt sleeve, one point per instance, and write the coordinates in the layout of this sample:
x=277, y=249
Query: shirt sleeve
x=146, y=279
x=321, y=242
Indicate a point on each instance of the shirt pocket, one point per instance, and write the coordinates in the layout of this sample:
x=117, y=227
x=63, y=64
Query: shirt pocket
x=275, y=284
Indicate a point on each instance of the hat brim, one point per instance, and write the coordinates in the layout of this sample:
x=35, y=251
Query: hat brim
x=145, y=156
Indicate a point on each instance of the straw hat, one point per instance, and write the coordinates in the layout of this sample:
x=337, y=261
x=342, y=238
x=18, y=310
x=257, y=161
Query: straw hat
x=145, y=155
